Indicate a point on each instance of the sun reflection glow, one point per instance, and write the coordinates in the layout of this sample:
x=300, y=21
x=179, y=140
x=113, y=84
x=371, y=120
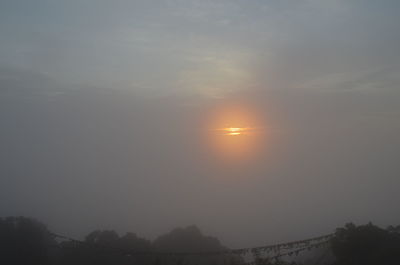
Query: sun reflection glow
x=233, y=131
x=236, y=133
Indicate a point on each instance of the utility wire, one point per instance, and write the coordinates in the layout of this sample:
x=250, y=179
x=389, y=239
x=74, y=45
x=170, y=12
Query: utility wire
x=301, y=245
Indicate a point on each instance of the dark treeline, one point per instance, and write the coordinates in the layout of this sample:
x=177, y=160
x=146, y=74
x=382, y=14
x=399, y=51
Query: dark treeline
x=27, y=241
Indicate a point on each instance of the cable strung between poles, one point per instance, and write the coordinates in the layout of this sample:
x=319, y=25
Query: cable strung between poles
x=301, y=245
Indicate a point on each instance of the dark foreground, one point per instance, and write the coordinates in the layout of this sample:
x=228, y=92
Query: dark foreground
x=27, y=241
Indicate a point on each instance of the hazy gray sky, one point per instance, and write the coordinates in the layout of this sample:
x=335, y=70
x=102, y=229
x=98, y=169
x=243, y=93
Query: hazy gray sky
x=104, y=108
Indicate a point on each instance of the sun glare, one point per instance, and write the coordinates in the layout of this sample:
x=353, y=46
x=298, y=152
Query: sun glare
x=236, y=133
x=233, y=131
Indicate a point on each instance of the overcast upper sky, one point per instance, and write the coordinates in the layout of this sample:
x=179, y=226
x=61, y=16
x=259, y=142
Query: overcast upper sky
x=105, y=108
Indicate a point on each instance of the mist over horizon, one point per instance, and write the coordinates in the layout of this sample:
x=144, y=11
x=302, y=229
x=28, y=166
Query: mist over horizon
x=111, y=116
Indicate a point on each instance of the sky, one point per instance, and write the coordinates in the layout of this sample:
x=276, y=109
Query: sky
x=110, y=113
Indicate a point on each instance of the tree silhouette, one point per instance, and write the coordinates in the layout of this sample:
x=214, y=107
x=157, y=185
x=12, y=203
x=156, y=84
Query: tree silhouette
x=28, y=242
x=190, y=239
x=24, y=241
x=366, y=245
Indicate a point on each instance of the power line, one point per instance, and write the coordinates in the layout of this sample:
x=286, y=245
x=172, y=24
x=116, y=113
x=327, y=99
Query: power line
x=299, y=245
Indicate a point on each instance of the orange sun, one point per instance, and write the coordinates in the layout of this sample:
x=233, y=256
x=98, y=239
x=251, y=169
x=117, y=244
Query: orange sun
x=236, y=133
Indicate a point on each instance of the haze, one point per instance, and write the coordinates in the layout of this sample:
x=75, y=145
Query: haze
x=107, y=112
